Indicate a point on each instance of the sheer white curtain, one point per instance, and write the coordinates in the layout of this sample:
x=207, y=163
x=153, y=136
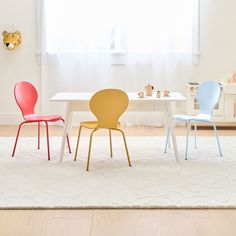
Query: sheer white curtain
x=90, y=45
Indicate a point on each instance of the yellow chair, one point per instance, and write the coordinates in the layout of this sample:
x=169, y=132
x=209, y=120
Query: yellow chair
x=107, y=105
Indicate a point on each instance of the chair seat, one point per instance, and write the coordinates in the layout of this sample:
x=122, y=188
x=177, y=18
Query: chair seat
x=198, y=118
x=49, y=118
x=93, y=124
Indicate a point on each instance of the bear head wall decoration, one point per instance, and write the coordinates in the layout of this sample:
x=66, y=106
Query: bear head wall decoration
x=11, y=40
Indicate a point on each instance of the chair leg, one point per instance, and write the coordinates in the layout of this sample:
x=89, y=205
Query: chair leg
x=38, y=135
x=187, y=137
x=195, y=133
x=77, y=144
x=17, y=136
x=68, y=143
x=89, y=151
x=47, y=132
x=167, y=139
x=217, y=138
x=110, y=143
x=126, y=148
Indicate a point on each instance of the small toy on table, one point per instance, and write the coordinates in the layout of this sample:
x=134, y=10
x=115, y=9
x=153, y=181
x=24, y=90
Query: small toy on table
x=166, y=93
x=141, y=94
x=232, y=78
x=148, y=89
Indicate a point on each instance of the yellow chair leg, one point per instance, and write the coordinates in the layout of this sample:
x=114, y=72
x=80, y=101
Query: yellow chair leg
x=126, y=148
x=89, y=151
x=77, y=144
x=110, y=143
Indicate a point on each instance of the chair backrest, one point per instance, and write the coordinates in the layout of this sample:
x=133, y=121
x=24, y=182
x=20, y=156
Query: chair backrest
x=208, y=94
x=26, y=97
x=108, y=105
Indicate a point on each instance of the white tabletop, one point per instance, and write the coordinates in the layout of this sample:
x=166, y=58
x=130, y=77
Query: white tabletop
x=70, y=97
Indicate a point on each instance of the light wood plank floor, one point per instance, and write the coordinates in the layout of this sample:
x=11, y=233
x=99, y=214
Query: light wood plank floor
x=158, y=222
x=31, y=130
x=122, y=222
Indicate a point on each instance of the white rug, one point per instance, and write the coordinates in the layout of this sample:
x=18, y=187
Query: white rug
x=156, y=180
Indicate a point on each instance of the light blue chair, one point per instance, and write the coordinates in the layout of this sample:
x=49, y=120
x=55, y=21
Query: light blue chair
x=208, y=95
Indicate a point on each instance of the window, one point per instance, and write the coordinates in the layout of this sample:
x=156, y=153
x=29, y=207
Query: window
x=128, y=26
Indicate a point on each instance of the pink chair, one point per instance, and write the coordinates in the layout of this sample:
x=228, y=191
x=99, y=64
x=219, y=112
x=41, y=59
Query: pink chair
x=26, y=97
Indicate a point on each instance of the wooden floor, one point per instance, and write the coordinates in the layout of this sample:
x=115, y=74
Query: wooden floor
x=107, y=222
x=118, y=222
x=31, y=130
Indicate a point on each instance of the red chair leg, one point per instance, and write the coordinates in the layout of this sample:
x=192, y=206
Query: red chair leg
x=47, y=140
x=17, y=136
x=38, y=135
x=67, y=138
x=68, y=143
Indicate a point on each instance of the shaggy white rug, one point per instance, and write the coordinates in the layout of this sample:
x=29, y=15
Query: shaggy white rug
x=156, y=180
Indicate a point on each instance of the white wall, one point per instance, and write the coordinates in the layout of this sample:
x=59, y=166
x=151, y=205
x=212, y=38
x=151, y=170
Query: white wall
x=19, y=64
x=217, y=39
x=217, y=46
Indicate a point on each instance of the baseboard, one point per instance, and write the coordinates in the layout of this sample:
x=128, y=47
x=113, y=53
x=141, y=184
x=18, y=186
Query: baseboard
x=16, y=119
x=129, y=119
x=219, y=126
x=10, y=118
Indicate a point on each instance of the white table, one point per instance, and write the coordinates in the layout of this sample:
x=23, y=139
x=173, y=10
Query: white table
x=76, y=102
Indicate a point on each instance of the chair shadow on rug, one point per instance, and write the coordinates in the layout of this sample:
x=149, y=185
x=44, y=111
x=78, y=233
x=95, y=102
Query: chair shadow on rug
x=107, y=105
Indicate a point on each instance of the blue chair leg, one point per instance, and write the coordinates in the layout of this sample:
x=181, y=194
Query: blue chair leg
x=167, y=139
x=217, y=138
x=187, y=136
x=195, y=132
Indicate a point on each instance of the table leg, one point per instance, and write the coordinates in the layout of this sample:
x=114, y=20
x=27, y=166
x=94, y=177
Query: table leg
x=68, y=115
x=169, y=116
x=166, y=123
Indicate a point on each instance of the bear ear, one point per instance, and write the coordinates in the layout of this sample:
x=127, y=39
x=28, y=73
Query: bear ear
x=18, y=32
x=4, y=32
